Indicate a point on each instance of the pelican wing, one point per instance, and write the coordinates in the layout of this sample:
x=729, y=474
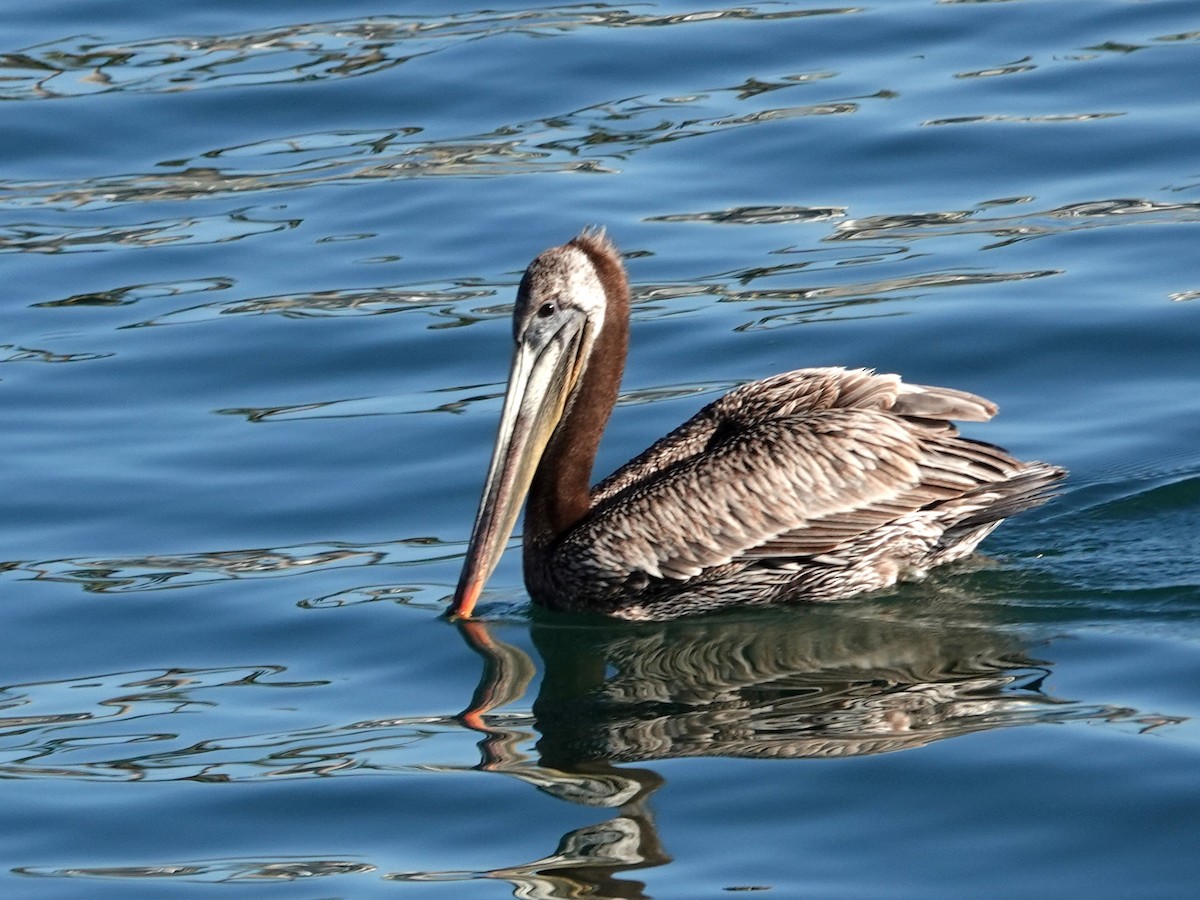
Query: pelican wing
x=793, y=393
x=795, y=465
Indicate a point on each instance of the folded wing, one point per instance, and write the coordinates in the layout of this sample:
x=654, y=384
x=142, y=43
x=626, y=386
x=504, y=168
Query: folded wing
x=809, y=464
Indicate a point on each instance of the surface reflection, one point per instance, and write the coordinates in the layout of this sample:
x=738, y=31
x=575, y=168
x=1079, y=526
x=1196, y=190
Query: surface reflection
x=815, y=682
x=81, y=65
x=34, y=237
x=217, y=871
x=151, y=573
x=614, y=701
x=821, y=682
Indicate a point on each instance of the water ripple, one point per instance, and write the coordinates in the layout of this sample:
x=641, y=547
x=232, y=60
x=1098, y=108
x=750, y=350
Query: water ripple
x=303, y=161
x=1038, y=223
x=135, y=293
x=817, y=684
x=438, y=400
x=1042, y=119
x=29, y=354
x=121, y=695
x=1024, y=64
x=141, y=710
x=457, y=303
x=1131, y=549
x=308, y=52
x=441, y=300
x=154, y=573
x=757, y=215
x=587, y=140
x=212, y=229
x=789, y=305
x=214, y=871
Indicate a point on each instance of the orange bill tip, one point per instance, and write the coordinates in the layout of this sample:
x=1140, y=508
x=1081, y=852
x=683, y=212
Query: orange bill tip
x=464, y=600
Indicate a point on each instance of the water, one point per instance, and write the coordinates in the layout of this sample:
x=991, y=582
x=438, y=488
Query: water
x=257, y=265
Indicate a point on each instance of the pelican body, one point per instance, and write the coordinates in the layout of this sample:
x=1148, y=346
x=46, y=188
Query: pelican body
x=811, y=485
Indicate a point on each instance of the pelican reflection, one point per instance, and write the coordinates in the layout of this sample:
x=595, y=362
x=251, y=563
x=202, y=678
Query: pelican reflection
x=826, y=681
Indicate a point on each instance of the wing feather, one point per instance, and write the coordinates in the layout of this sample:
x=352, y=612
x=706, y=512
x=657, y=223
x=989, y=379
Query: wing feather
x=772, y=479
x=796, y=465
x=789, y=393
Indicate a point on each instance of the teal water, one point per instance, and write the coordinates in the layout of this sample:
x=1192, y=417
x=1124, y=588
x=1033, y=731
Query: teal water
x=257, y=262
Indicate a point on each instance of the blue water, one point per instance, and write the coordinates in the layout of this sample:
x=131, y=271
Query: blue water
x=257, y=262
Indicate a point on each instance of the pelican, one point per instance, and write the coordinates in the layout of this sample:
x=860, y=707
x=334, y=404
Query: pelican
x=810, y=485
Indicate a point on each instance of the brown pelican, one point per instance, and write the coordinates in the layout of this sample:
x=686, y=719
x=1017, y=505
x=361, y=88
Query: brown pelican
x=814, y=484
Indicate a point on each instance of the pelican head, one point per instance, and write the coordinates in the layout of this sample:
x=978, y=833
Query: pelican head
x=559, y=315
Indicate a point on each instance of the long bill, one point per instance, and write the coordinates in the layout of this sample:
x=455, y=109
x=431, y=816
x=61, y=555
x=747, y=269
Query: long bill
x=539, y=385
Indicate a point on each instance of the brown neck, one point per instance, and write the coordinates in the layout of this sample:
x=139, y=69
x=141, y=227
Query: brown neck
x=560, y=495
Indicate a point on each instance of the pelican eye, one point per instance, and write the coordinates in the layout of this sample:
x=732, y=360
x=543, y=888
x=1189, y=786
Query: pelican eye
x=546, y=310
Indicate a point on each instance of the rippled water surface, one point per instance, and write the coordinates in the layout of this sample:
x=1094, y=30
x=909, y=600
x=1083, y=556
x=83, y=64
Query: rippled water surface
x=257, y=265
